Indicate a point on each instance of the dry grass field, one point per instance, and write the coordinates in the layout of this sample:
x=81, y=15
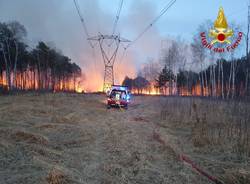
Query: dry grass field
x=71, y=138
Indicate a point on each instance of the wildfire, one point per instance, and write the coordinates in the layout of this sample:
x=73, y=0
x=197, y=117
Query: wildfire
x=95, y=84
x=146, y=91
x=3, y=82
x=151, y=90
x=154, y=92
x=79, y=90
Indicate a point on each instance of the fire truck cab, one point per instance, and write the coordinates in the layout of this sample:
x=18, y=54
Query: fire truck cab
x=118, y=96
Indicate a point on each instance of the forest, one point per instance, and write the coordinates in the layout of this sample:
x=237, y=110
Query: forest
x=225, y=78
x=41, y=68
x=45, y=68
x=207, y=73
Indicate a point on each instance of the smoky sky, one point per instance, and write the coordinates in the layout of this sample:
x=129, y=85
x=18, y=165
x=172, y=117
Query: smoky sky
x=57, y=23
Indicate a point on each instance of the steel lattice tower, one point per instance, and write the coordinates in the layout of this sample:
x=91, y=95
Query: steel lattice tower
x=108, y=60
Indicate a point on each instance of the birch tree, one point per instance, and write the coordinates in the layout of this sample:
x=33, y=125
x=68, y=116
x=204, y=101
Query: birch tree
x=200, y=53
x=11, y=35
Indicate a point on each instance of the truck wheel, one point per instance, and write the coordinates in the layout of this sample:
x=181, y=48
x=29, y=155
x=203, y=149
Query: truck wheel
x=108, y=106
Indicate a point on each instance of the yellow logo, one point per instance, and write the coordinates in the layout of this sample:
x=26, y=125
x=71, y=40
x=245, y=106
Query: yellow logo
x=221, y=32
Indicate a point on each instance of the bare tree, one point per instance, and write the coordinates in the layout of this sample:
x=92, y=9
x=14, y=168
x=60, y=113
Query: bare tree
x=247, y=50
x=212, y=80
x=230, y=75
x=174, y=59
x=11, y=34
x=199, y=57
x=150, y=72
x=200, y=54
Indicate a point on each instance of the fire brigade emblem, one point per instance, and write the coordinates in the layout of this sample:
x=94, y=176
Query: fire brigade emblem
x=221, y=32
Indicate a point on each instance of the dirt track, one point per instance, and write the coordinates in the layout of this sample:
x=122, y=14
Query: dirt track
x=60, y=138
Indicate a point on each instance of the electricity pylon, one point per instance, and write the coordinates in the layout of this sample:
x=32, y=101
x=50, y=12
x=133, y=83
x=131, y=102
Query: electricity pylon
x=108, y=60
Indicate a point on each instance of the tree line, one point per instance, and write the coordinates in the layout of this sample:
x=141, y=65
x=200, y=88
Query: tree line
x=137, y=85
x=39, y=68
x=192, y=70
x=225, y=78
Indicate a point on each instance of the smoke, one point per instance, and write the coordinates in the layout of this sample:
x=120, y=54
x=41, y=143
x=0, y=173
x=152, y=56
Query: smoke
x=57, y=21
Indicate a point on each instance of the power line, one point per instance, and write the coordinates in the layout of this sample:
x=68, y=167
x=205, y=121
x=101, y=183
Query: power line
x=117, y=16
x=122, y=56
x=108, y=60
x=116, y=20
x=163, y=11
x=83, y=22
x=87, y=34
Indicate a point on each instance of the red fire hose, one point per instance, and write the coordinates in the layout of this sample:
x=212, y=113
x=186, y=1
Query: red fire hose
x=199, y=170
x=185, y=159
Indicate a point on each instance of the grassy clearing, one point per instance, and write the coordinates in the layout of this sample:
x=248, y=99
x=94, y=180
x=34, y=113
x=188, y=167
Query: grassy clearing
x=70, y=138
x=215, y=133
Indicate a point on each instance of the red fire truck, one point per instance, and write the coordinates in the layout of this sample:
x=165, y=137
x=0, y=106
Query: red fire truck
x=118, y=96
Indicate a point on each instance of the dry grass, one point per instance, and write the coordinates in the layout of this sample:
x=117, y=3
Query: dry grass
x=214, y=131
x=69, y=138
x=140, y=119
x=56, y=176
x=234, y=176
x=29, y=138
